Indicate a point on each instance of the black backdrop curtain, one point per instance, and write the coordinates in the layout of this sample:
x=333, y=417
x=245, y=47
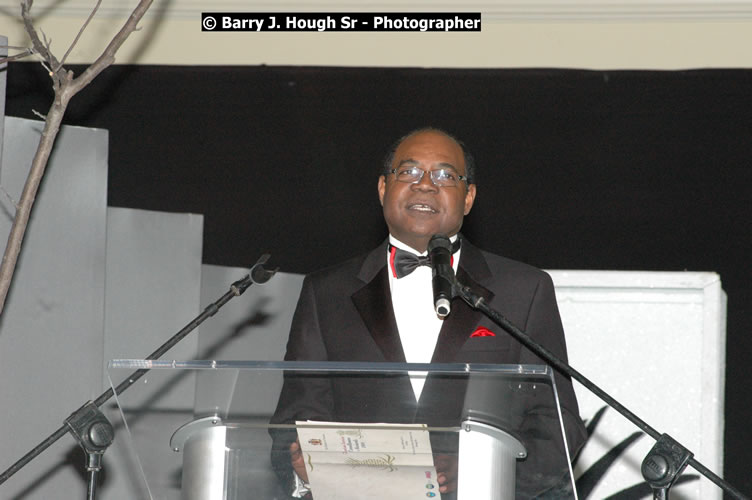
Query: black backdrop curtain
x=628, y=170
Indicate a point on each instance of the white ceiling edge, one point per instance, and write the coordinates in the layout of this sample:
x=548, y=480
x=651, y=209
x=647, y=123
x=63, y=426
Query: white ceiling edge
x=494, y=10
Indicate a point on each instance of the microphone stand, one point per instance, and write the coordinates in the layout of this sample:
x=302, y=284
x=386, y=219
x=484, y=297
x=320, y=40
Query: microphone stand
x=88, y=424
x=665, y=461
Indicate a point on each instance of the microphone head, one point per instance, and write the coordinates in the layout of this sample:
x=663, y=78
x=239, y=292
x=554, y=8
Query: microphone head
x=259, y=274
x=439, y=241
x=443, y=307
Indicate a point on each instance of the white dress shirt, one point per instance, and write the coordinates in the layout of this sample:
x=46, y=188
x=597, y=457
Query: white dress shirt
x=417, y=322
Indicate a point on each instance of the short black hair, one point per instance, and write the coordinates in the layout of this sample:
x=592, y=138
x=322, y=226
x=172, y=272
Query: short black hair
x=469, y=160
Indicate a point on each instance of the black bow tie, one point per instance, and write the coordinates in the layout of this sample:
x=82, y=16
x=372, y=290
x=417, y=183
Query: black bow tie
x=403, y=262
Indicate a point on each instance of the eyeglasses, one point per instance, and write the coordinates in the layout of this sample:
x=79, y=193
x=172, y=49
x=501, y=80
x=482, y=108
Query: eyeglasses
x=441, y=177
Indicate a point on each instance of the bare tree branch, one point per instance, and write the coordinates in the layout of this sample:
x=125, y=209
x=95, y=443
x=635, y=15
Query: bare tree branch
x=65, y=87
x=80, y=32
x=36, y=43
x=15, y=57
x=108, y=55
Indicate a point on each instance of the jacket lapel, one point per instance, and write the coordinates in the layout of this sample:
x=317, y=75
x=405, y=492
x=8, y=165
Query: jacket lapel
x=457, y=327
x=374, y=304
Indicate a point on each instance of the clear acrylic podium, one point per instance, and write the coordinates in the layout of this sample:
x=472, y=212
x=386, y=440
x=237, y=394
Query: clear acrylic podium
x=208, y=430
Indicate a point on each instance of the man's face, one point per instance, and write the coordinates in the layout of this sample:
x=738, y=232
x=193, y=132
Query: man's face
x=415, y=212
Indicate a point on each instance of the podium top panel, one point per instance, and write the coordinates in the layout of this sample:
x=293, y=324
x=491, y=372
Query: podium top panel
x=255, y=409
x=384, y=391
x=328, y=366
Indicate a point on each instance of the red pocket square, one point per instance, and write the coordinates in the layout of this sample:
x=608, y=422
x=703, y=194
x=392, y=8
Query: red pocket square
x=482, y=331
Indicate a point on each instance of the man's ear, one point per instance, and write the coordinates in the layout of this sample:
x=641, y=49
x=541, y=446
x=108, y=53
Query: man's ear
x=469, y=198
x=382, y=188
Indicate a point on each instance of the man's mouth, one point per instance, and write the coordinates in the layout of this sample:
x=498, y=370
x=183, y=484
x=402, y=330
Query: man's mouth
x=422, y=207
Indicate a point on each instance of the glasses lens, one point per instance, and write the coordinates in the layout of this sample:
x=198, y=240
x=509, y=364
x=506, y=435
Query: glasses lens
x=444, y=177
x=409, y=174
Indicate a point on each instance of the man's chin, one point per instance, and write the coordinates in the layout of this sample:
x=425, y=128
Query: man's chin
x=418, y=240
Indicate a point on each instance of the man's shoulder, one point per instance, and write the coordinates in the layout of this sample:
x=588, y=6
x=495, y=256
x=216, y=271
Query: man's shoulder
x=499, y=264
x=500, y=261
x=513, y=283
x=350, y=268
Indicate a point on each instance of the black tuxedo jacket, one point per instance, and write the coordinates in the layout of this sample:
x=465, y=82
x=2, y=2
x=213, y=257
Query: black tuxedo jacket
x=345, y=314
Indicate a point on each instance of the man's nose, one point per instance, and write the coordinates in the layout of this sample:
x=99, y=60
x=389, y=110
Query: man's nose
x=425, y=183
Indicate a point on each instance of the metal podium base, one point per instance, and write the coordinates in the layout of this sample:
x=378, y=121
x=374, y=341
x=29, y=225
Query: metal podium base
x=487, y=462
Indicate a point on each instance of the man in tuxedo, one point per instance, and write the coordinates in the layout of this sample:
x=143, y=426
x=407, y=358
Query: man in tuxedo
x=379, y=308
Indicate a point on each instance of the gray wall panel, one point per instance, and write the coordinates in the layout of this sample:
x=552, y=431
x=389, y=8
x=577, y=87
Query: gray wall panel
x=3, y=84
x=153, y=291
x=51, y=330
x=254, y=326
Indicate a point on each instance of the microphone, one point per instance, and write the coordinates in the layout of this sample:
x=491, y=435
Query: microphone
x=260, y=274
x=440, y=255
